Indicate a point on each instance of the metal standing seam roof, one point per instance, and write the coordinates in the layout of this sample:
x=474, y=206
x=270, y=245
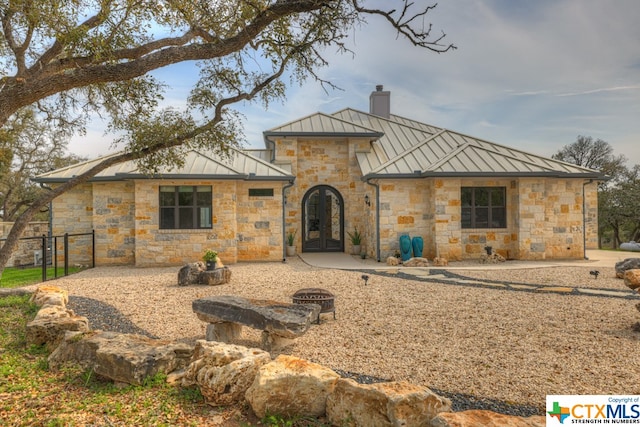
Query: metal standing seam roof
x=409, y=146
x=454, y=154
x=400, y=147
x=397, y=138
x=238, y=165
x=320, y=124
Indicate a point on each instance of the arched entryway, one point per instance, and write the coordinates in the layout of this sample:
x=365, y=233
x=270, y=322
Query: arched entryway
x=322, y=220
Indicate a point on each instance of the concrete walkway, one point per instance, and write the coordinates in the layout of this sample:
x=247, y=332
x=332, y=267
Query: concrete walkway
x=596, y=258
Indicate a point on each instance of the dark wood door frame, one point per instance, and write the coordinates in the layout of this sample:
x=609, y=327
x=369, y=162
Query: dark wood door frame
x=321, y=230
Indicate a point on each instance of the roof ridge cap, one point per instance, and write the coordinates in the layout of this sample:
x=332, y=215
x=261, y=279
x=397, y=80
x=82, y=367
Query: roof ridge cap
x=394, y=121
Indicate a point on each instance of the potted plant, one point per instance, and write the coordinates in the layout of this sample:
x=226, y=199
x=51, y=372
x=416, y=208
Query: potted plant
x=356, y=240
x=210, y=258
x=291, y=248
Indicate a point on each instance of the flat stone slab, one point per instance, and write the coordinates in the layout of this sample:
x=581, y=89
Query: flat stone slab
x=276, y=318
x=619, y=294
x=523, y=287
x=560, y=289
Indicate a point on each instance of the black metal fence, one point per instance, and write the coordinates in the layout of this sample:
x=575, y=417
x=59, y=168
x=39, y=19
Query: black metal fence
x=69, y=249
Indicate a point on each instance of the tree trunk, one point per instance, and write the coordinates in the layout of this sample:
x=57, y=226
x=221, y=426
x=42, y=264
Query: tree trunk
x=18, y=228
x=616, y=237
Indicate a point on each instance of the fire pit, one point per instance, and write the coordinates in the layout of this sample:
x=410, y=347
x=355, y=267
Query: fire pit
x=322, y=297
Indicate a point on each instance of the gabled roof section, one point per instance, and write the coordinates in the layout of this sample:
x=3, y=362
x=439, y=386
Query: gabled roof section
x=320, y=124
x=449, y=153
x=239, y=165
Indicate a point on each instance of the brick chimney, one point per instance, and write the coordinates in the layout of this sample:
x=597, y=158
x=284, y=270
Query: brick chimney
x=380, y=102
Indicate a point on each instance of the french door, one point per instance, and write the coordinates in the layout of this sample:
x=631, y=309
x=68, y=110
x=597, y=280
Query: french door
x=323, y=220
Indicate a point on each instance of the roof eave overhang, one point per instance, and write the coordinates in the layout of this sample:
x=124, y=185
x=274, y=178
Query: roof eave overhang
x=124, y=177
x=419, y=174
x=244, y=177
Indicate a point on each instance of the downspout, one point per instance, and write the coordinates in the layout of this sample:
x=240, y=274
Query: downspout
x=584, y=219
x=284, y=231
x=271, y=146
x=377, y=187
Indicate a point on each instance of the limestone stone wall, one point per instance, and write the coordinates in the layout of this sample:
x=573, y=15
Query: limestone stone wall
x=72, y=213
x=331, y=163
x=243, y=227
x=544, y=218
x=24, y=252
x=406, y=208
x=591, y=199
x=259, y=218
x=551, y=218
x=125, y=216
x=446, y=222
x=113, y=221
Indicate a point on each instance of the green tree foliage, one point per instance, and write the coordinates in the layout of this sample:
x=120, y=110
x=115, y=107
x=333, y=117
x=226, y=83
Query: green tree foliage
x=593, y=154
x=28, y=146
x=73, y=57
x=619, y=197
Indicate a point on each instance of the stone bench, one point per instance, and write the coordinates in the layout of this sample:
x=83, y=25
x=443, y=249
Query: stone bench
x=279, y=322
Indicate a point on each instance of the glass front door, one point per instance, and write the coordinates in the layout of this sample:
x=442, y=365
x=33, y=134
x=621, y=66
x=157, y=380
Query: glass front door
x=323, y=225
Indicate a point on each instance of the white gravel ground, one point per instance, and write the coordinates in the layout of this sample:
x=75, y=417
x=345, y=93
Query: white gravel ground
x=507, y=345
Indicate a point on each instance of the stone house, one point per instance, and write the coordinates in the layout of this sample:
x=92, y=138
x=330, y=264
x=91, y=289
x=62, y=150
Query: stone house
x=325, y=175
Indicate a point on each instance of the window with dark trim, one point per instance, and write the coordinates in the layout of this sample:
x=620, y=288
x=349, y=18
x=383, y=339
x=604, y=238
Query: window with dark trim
x=484, y=207
x=185, y=207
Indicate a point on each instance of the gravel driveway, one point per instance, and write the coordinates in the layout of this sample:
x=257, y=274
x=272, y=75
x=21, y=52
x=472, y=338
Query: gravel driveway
x=499, y=344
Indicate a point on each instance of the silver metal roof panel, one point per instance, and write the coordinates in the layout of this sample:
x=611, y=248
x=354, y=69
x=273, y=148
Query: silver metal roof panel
x=320, y=124
x=238, y=165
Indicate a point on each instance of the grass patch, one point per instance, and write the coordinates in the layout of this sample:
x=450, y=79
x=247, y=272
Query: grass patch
x=13, y=277
x=31, y=395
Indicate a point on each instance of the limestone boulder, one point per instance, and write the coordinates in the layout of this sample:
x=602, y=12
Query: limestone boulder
x=125, y=358
x=216, y=277
x=50, y=295
x=482, y=418
x=196, y=273
x=627, y=264
x=50, y=325
x=494, y=258
x=383, y=404
x=632, y=279
x=223, y=372
x=416, y=262
x=393, y=261
x=440, y=262
x=291, y=387
x=190, y=273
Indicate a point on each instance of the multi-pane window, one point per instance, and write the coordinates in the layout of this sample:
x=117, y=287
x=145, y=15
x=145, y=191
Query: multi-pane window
x=185, y=206
x=484, y=207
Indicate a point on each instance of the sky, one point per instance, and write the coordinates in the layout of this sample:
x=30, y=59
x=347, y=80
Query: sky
x=532, y=75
